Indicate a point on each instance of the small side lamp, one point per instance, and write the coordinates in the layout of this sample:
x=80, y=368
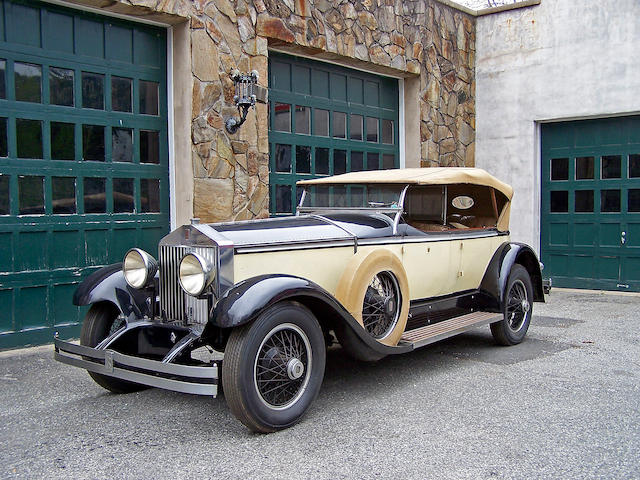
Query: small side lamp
x=245, y=97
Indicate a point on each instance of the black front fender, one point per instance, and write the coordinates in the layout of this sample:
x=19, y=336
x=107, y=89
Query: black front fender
x=108, y=285
x=250, y=298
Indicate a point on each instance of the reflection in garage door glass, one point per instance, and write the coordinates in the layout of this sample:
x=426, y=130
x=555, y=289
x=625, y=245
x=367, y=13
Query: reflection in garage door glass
x=633, y=200
x=93, y=143
x=339, y=162
x=121, y=94
x=634, y=165
x=150, y=195
x=123, y=195
x=3, y=84
x=149, y=146
x=95, y=199
x=283, y=198
x=322, y=161
x=560, y=202
x=31, y=194
x=122, y=145
x=61, y=86
x=584, y=201
x=28, y=78
x=63, y=195
x=303, y=159
x=303, y=120
x=4, y=195
x=4, y=151
x=610, y=201
x=148, y=98
x=63, y=141
x=283, y=158
x=611, y=166
x=355, y=126
x=29, y=138
x=585, y=168
x=93, y=90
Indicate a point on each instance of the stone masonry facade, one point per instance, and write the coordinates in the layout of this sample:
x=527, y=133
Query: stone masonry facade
x=422, y=39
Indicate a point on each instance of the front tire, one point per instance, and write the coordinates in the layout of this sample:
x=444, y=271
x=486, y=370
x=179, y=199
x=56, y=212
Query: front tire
x=517, y=308
x=273, y=367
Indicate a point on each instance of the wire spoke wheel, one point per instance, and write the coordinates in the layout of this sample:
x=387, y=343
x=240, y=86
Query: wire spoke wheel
x=517, y=305
x=283, y=366
x=381, y=305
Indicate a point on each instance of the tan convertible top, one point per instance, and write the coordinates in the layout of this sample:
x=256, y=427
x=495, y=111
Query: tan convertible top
x=426, y=176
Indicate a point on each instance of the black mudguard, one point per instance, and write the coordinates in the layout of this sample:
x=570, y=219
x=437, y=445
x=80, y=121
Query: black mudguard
x=494, y=283
x=108, y=285
x=248, y=299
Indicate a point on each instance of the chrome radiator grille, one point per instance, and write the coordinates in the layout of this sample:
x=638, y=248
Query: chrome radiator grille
x=174, y=302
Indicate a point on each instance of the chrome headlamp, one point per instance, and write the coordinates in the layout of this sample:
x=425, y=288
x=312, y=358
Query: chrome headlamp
x=195, y=274
x=139, y=268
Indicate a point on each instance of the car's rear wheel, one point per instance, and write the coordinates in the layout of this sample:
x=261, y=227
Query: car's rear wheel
x=273, y=367
x=517, y=308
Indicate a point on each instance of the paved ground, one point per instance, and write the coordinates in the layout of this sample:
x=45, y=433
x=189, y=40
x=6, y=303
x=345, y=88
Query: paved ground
x=564, y=404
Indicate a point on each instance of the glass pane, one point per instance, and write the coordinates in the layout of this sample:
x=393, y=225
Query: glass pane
x=559, y=169
x=373, y=161
x=303, y=120
x=93, y=143
x=339, y=162
x=321, y=122
x=4, y=195
x=31, y=194
x=387, y=131
x=150, y=195
x=372, y=129
x=282, y=117
x=121, y=94
x=610, y=201
x=283, y=199
x=355, y=127
x=63, y=141
x=633, y=199
x=388, y=161
x=29, y=138
x=3, y=81
x=63, y=195
x=584, y=201
x=357, y=161
x=123, y=200
x=4, y=150
x=122, y=145
x=339, y=128
x=148, y=97
x=283, y=158
x=634, y=165
x=93, y=90
x=585, y=168
x=95, y=197
x=303, y=159
x=28, y=79
x=559, y=202
x=611, y=166
x=340, y=196
x=322, y=161
x=61, y=86
x=149, y=146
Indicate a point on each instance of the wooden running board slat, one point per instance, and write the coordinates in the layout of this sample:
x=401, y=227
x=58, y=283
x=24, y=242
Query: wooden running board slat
x=428, y=334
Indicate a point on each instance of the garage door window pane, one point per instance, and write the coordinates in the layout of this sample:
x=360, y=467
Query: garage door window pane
x=150, y=195
x=559, y=169
x=303, y=120
x=63, y=141
x=282, y=117
x=303, y=159
x=372, y=129
x=373, y=161
x=93, y=143
x=3, y=82
x=357, y=161
x=339, y=162
x=63, y=195
x=321, y=122
x=121, y=94
x=4, y=195
x=322, y=161
x=634, y=165
x=29, y=138
x=93, y=90
x=283, y=158
x=611, y=166
x=388, y=161
x=122, y=144
x=283, y=198
x=585, y=168
x=31, y=195
x=387, y=132
x=634, y=200
x=61, y=86
x=339, y=128
x=560, y=202
x=28, y=78
x=149, y=146
x=95, y=196
x=148, y=98
x=4, y=150
x=610, y=201
x=123, y=195
x=584, y=201
x=355, y=127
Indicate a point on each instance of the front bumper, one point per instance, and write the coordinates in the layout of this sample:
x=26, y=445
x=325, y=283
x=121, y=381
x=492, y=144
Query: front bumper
x=170, y=376
x=546, y=285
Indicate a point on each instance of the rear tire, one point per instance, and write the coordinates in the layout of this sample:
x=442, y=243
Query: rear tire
x=97, y=325
x=517, y=308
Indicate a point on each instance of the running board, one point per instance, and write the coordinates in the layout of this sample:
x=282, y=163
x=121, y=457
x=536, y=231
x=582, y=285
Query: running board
x=429, y=334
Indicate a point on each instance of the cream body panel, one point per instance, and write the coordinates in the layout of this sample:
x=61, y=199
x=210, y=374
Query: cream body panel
x=428, y=266
x=474, y=255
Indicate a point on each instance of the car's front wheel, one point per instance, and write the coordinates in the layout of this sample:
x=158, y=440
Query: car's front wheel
x=517, y=308
x=273, y=367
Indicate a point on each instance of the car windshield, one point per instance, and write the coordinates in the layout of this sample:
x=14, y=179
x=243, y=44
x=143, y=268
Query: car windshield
x=352, y=196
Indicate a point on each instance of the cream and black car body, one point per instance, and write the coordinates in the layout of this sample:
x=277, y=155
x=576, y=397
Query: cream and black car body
x=383, y=261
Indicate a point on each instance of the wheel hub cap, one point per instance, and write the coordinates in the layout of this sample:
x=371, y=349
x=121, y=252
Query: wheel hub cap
x=525, y=306
x=295, y=368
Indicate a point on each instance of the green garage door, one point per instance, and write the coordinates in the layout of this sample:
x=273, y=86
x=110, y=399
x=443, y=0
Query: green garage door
x=326, y=120
x=83, y=157
x=591, y=203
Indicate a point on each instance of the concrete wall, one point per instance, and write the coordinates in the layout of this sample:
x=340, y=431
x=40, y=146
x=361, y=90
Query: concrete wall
x=561, y=60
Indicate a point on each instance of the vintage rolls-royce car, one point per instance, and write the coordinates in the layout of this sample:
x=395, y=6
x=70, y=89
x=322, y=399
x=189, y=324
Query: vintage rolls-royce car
x=383, y=261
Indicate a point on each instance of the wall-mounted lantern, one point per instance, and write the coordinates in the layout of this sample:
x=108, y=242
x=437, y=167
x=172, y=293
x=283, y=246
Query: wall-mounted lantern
x=245, y=97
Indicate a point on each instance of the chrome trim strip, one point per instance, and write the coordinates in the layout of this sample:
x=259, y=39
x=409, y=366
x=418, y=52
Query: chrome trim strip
x=290, y=246
x=337, y=225
x=396, y=220
x=224, y=268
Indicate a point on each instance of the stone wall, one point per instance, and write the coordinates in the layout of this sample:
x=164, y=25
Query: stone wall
x=409, y=38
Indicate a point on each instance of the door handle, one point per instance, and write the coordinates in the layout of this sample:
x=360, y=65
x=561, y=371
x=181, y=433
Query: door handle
x=623, y=238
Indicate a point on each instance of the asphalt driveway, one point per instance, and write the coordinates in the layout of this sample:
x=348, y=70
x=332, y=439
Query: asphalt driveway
x=564, y=404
